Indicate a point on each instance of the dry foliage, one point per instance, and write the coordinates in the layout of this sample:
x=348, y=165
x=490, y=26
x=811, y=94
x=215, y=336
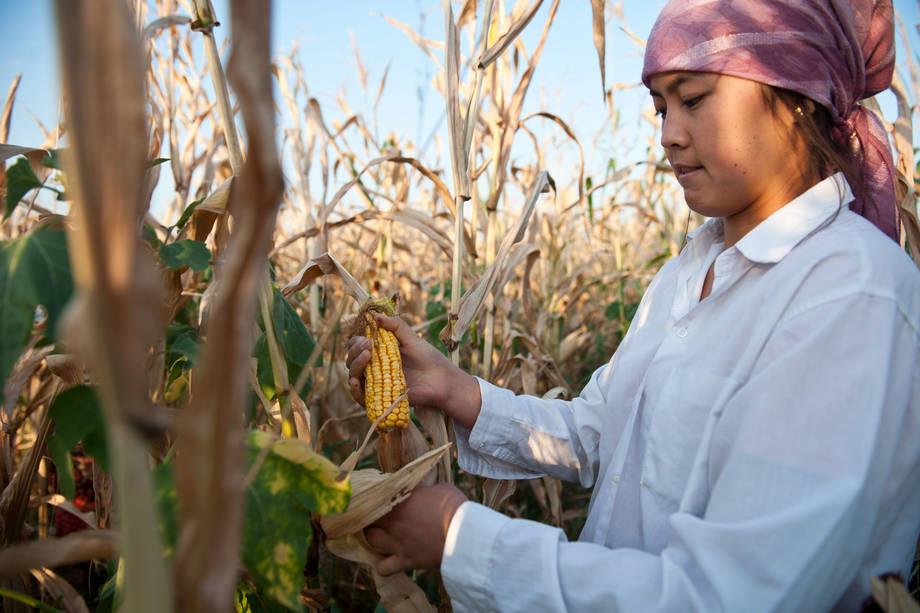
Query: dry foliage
x=485, y=249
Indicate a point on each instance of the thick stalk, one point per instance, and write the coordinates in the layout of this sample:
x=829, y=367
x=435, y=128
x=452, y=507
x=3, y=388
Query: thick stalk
x=205, y=22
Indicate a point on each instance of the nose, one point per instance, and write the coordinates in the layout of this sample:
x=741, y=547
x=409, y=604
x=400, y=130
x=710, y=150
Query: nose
x=674, y=131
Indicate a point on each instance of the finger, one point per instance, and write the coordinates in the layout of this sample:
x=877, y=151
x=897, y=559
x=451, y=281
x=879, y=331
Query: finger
x=357, y=390
x=379, y=540
x=356, y=346
x=356, y=369
x=397, y=326
x=392, y=565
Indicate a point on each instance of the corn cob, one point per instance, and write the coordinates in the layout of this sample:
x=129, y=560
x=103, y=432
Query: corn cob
x=384, y=379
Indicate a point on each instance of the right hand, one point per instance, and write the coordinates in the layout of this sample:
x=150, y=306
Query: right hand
x=432, y=379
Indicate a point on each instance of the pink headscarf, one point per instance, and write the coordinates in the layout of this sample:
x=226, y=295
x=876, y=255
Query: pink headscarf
x=833, y=51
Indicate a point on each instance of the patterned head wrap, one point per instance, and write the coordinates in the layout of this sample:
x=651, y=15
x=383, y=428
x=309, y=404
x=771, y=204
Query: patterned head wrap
x=833, y=51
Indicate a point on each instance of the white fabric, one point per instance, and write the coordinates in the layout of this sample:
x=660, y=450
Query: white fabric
x=755, y=451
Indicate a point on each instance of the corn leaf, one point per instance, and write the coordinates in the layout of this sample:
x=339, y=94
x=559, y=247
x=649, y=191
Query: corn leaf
x=288, y=482
x=77, y=417
x=20, y=180
x=296, y=343
x=34, y=270
x=185, y=253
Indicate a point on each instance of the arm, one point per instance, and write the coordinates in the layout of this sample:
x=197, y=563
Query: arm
x=802, y=464
x=499, y=435
x=522, y=437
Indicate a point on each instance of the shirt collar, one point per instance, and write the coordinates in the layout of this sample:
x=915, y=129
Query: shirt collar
x=775, y=236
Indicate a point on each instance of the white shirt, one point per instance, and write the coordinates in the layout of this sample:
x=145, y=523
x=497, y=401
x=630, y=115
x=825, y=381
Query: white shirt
x=755, y=451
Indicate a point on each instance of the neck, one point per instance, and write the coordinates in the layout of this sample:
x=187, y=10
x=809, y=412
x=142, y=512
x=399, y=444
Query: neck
x=738, y=225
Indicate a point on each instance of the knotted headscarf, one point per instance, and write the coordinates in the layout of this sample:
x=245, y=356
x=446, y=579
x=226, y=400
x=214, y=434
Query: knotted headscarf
x=833, y=51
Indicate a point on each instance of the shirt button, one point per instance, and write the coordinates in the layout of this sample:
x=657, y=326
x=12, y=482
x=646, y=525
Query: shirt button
x=643, y=483
x=681, y=332
x=616, y=478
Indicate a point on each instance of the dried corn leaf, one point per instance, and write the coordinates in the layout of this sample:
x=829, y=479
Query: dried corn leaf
x=597, y=29
x=51, y=552
x=493, y=52
x=325, y=264
x=7, y=151
x=458, y=156
x=398, y=593
x=158, y=25
x=25, y=367
x=496, y=491
x=374, y=494
x=474, y=299
x=66, y=367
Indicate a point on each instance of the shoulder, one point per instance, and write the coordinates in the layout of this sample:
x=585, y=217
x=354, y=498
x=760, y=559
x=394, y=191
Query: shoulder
x=850, y=258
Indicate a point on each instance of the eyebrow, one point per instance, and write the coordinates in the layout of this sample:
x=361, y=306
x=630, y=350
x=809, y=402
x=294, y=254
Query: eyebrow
x=672, y=85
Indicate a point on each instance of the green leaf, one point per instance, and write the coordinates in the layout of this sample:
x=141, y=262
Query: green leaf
x=53, y=159
x=291, y=333
x=20, y=180
x=293, y=338
x=180, y=254
x=34, y=270
x=187, y=213
x=150, y=236
x=156, y=162
x=291, y=482
x=77, y=417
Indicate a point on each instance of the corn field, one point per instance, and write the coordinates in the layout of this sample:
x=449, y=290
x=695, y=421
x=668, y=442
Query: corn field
x=178, y=433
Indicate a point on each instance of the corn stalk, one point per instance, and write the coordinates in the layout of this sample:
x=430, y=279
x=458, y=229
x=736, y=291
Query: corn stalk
x=117, y=314
x=210, y=476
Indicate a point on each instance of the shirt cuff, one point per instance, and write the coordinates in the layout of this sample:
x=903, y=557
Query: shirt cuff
x=469, y=557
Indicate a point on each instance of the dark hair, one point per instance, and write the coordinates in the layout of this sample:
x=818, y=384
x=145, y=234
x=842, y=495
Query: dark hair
x=814, y=126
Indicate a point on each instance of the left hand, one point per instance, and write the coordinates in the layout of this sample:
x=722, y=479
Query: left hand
x=412, y=535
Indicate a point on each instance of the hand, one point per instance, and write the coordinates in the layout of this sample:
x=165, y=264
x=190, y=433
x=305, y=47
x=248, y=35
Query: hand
x=412, y=535
x=433, y=380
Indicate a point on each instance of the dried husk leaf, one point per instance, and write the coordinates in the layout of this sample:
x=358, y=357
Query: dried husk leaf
x=398, y=593
x=374, y=494
x=892, y=597
x=60, y=591
x=51, y=552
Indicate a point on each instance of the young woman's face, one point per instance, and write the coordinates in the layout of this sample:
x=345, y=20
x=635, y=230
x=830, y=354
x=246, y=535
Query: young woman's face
x=732, y=155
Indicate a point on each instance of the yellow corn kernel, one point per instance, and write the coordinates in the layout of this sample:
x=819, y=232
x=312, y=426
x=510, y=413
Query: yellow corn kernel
x=384, y=380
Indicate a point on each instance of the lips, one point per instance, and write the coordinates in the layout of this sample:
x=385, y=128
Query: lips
x=684, y=170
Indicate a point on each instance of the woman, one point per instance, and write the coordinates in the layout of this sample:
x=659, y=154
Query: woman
x=753, y=442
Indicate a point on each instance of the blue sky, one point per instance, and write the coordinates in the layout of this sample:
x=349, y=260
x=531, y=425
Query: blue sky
x=566, y=81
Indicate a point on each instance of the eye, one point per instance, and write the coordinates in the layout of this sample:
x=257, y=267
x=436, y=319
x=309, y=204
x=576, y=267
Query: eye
x=692, y=102
x=660, y=112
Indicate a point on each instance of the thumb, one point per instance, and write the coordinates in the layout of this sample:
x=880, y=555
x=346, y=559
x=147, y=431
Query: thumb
x=398, y=327
x=390, y=565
